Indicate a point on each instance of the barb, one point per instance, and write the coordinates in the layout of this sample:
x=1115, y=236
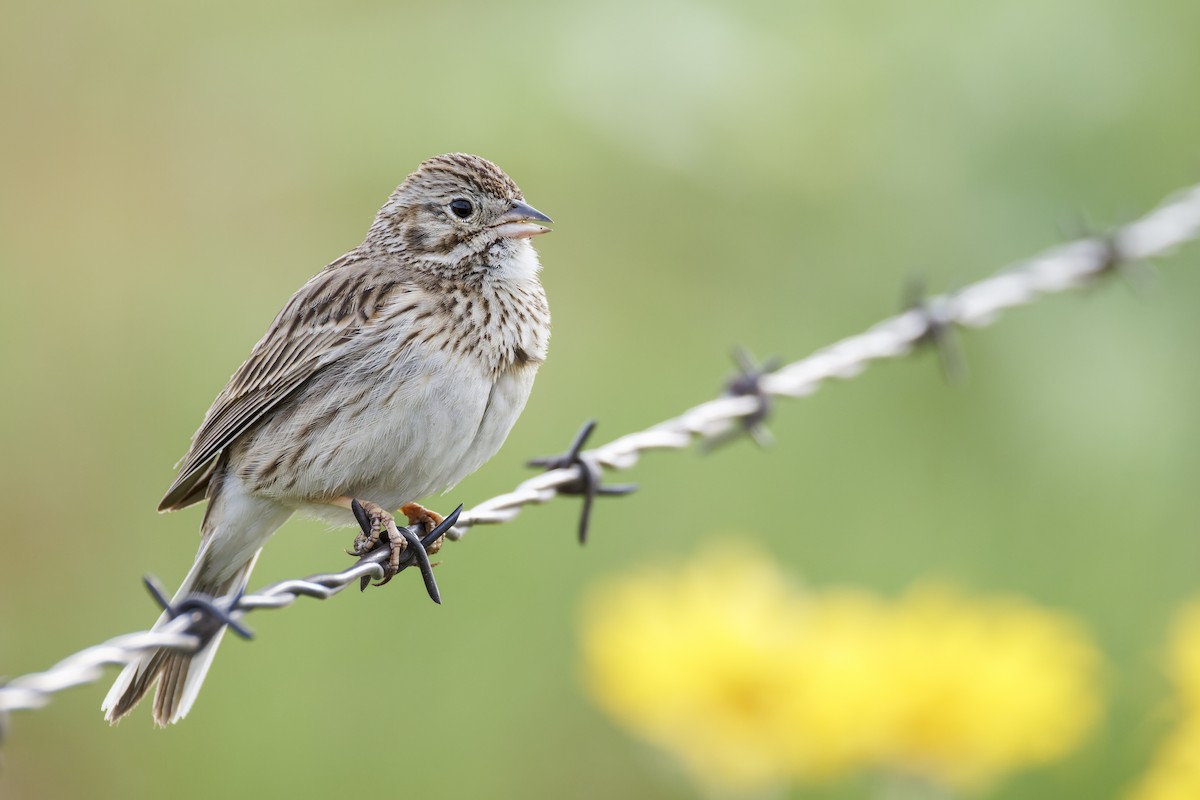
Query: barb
x=1071, y=266
x=214, y=613
x=587, y=481
x=939, y=332
x=748, y=383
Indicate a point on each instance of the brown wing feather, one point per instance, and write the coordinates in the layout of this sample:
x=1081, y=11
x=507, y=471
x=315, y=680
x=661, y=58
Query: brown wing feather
x=317, y=326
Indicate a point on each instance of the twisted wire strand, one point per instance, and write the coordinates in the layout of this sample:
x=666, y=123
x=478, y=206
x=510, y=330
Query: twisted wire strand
x=1070, y=266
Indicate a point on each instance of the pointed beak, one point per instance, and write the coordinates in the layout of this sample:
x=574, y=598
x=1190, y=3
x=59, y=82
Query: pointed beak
x=521, y=222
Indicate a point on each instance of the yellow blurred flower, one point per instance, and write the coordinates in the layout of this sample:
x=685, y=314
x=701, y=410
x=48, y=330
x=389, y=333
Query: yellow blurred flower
x=752, y=682
x=1175, y=772
x=989, y=686
x=1183, y=665
x=694, y=661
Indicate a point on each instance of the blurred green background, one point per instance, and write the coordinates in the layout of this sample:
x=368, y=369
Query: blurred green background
x=762, y=173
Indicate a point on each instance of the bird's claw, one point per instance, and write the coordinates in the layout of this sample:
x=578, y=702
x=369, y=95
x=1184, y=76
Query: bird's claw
x=372, y=518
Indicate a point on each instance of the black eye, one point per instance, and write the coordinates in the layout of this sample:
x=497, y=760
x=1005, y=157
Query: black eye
x=461, y=207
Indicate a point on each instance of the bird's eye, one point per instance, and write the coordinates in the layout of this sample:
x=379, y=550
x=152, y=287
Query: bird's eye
x=461, y=207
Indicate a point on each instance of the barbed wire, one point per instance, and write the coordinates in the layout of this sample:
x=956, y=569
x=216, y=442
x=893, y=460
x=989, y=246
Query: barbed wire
x=743, y=407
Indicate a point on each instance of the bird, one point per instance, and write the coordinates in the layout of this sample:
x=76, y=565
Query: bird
x=392, y=374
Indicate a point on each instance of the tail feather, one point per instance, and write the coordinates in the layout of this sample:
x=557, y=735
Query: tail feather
x=179, y=675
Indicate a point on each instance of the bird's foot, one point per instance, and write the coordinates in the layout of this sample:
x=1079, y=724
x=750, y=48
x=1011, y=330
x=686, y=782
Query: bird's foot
x=375, y=522
x=405, y=546
x=419, y=515
x=373, y=519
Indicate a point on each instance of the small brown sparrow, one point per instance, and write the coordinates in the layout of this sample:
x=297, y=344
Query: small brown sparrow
x=395, y=372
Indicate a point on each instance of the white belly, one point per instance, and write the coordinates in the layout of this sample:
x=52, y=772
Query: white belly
x=428, y=426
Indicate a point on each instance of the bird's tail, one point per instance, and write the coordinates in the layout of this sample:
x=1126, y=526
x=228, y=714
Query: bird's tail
x=181, y=674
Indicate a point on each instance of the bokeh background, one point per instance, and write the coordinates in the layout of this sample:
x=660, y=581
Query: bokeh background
x=760, y=173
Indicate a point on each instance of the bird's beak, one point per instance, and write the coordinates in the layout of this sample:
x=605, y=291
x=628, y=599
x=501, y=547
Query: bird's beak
x=520, y=222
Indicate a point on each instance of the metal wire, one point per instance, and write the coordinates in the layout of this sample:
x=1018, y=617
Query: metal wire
x=1071, y=266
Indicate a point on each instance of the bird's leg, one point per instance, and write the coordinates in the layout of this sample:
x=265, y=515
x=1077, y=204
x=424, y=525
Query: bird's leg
x=419, y=515
x=378, y=520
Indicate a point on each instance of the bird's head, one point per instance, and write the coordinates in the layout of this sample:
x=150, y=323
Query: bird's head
x=457, y=212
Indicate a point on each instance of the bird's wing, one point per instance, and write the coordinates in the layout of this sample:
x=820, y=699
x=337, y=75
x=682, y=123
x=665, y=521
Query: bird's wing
x=321, y=323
